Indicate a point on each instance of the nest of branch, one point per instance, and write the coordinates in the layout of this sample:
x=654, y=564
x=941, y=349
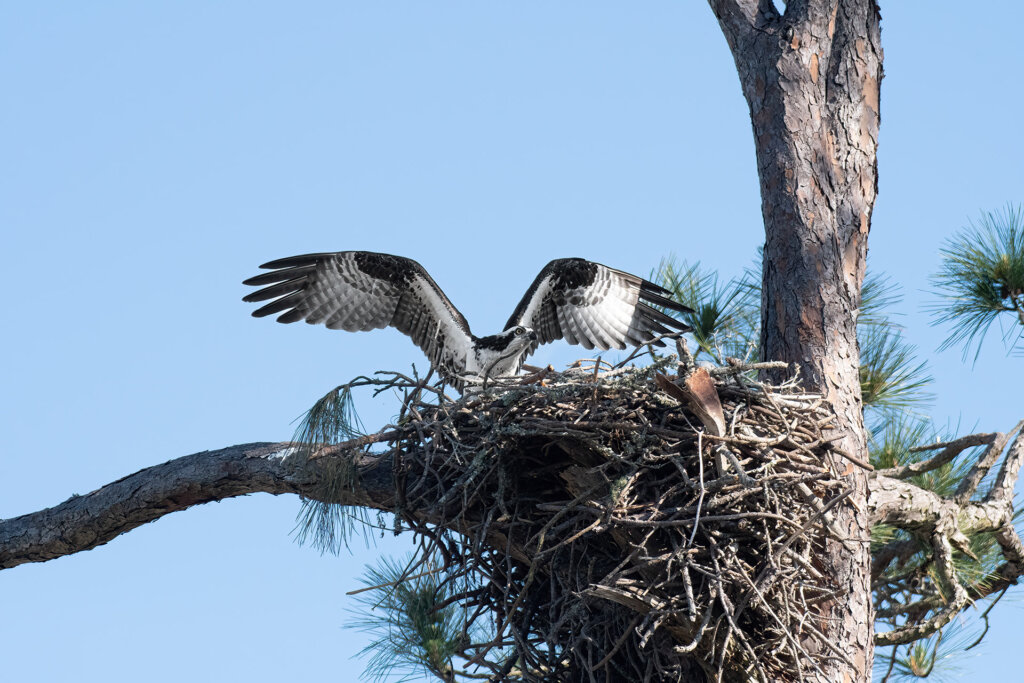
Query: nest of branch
x=608, y=534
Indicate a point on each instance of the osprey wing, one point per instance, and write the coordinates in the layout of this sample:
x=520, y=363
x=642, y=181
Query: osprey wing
x=590, y=304
x=362, y=290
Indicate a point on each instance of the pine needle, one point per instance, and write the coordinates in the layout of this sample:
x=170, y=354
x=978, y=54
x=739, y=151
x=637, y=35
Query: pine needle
x=327, y=526
x=981, y=281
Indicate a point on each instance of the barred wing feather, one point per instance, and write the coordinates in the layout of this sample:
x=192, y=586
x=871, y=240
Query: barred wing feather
x=360, y=290
x=596, y=306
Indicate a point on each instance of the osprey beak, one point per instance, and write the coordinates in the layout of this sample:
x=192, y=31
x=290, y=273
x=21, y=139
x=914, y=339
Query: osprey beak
x=533, y=336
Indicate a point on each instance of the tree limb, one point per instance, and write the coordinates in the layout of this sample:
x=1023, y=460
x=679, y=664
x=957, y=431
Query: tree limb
x=901, y=551
x=956, y=598
x=948, y=523
x=741, y=12
x=84, y=522
x=1006, y=480
x=950, y=450
x=970, y=483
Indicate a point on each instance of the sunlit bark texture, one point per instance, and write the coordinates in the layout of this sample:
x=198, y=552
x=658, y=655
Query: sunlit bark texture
x=811, y=78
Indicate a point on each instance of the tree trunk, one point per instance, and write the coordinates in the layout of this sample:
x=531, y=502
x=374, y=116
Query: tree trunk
x=811, y=78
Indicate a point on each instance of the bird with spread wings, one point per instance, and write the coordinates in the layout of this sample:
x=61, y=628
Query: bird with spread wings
x=573, y=299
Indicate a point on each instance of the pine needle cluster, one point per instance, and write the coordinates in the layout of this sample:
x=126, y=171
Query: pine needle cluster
x=981, y=280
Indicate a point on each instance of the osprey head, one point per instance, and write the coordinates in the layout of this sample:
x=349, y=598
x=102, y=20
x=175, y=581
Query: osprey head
x=501, y=355
x=509, y=343
x=519, y=339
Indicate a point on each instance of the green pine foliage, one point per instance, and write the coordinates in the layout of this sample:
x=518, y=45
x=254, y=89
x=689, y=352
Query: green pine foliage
x=726, y=324
x=981, y=280
x=416, y=625
x=332, y=419
x=937, y=658
x=892, y=380
x=726, y=315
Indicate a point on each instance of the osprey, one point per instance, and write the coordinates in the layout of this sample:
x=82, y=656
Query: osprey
x=573, y=299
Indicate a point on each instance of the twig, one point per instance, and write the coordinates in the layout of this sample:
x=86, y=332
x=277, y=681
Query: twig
x=700, y=480
x=949, y=452
x=984, y=616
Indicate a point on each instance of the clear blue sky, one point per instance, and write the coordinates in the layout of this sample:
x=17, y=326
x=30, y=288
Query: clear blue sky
x=153, y=154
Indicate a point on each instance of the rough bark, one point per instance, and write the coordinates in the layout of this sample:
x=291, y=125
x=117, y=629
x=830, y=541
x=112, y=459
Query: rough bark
x=85, y=522
x=811, y=78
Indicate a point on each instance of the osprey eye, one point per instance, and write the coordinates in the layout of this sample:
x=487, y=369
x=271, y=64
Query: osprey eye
x=519, y=331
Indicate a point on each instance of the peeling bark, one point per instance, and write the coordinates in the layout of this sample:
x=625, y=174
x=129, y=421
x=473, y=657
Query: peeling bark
x=811, y=79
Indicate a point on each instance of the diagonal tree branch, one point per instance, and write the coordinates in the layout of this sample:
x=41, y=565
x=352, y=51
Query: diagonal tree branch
x=988, y=459
x=949, y=451
x=84, y=522
x=1006, y=480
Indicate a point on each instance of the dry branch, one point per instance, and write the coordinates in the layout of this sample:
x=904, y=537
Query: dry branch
x=87, y=521
x=931, y=592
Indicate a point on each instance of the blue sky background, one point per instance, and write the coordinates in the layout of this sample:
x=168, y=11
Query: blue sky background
x=153, y=154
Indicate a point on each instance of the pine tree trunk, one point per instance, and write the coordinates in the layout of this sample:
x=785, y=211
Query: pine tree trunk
x=811, y=79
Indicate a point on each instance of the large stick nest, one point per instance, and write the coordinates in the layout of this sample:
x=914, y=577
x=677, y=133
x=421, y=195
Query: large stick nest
x=609, y=536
